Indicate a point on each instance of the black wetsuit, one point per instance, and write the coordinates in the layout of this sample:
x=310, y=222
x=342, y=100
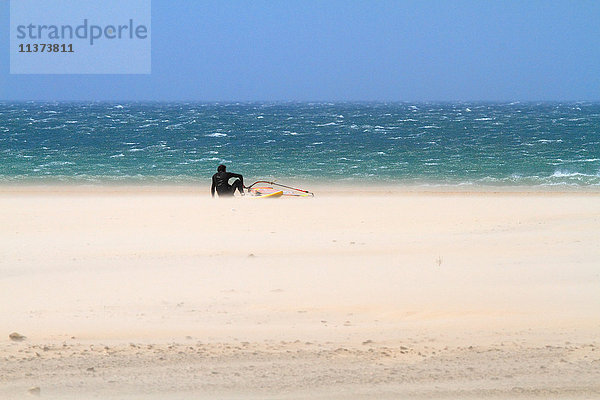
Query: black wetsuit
x=220, y=182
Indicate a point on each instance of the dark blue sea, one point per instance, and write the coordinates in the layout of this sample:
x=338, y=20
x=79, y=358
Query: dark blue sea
x=497, y=144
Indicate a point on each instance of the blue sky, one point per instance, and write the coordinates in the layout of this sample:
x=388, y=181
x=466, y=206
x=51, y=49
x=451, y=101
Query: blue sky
x=348, y=51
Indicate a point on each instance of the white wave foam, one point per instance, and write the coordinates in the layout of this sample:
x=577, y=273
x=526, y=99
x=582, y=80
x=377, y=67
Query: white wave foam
x=560, y=173
x=216, y=134
x=52, y=128
x=175, y=126
x=55, y=163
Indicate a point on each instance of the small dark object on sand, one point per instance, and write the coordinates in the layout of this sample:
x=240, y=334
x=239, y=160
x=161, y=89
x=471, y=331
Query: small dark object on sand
x=17, y=337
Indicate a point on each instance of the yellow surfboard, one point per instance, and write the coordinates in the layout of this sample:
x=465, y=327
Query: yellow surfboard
x=272, y=195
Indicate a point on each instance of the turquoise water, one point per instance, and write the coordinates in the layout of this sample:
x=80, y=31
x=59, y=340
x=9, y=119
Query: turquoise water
x=437, y=143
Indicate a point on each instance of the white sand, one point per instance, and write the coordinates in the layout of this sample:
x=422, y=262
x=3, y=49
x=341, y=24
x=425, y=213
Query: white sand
x=167, y=293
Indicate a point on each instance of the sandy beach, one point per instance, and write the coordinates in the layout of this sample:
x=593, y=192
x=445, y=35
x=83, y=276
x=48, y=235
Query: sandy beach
x=165, y=293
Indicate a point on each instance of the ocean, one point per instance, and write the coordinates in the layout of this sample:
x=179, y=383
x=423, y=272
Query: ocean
x=485, y=144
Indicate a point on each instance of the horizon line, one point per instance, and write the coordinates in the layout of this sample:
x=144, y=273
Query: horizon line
x=338, y=101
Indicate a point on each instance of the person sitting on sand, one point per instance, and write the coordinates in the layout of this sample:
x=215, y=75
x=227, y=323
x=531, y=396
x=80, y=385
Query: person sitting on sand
x=220, y=182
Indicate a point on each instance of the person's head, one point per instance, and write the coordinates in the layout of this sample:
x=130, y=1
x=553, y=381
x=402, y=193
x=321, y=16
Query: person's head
x=221, y=168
